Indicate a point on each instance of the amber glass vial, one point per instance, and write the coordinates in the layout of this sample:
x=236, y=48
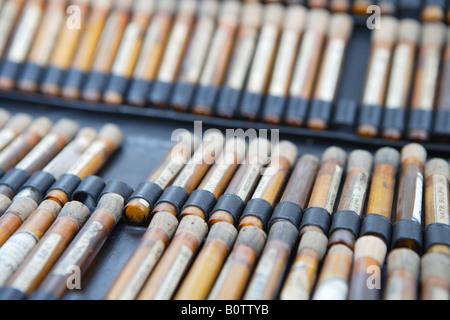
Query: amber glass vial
x=106, y=52
x=42, y=48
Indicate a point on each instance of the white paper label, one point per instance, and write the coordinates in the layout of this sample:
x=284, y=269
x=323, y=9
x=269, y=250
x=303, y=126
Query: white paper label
x=284, y=63
x=79, y=249
x=261, y=275
x=398, y=80
x=200, y=46
x=441, y=209
x=174, y=167
x=8, y=14
x=261, y=62
x=358, y=193
x=417, y=211
x=126, y=49
x=25, y=34
x=333, y=289
x=174, y=275
x=13, y=252
x=334, y=188
x=95, y=149
x=37, y=263
x=214, y=56
x=173, y=52
x=242, y=62
x=46, y=144
x=430, y=78
x=6, y=136
x=331, y=69
x=377, y=75
x=253, y=172
x=141, y=274
x=303, y=65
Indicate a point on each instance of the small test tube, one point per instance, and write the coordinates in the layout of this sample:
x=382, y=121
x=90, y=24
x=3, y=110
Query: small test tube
x=400, y=80
x=275, y=100
x=403, y=261
x=213, y=74
x=21, y=42
x=442, y=114
x=263, y=61
x=195, y=57
x=152, y=53
x=176, y=48
x=9, y=15
x=313, y=236
x=375, y=232
x=42, y=48
x=64, y=51
x=333, y=278
x=89, y=41
x=425, y=88
x=307, y=67
x=435, y=263
x=240, y=62
x=108, y=46
x=340, y=30
x=130, y=47
x=371, y=109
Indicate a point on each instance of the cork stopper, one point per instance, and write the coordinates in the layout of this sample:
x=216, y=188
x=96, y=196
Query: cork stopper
x=187, y=7
x=295, y=18
x=388, y=156
x=433, y=33
x=274, y=14
x=360, y=159
x=409, y=30
x=234, y=151
x=287, y=150
x=388, y=31
x=403, y=258
x=259, y=151
x=112, y=133
x=416, y=151
x=86, y=134
x=335, y=153
x=437, y=166
x=341, y=25
x=19, y=122
x=102, y=4
x=252, y=14
x=144, y=6
x=124, y=4
x=41, y=126
x=318, y=20
x=208, y=9
x=66, y=128
x=230, y=12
